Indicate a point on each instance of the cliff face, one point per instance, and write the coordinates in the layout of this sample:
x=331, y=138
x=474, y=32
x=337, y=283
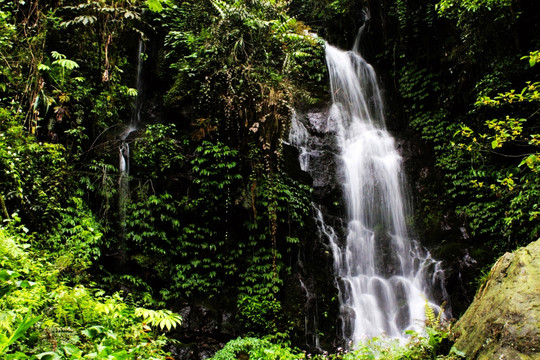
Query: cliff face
x=503, y=322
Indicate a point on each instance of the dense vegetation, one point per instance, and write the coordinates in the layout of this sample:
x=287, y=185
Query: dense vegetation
x=477, y=104
x=215, y=215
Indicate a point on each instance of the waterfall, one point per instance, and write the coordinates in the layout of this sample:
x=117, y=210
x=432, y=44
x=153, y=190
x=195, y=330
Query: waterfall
x=383, y=276
x=123, y=151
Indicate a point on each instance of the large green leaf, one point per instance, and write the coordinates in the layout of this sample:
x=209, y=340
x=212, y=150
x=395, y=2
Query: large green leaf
x=154, y=5
x=26, y=323
x=66, y=64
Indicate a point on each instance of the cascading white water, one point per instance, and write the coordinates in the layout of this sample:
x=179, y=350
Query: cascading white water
x=382, y=274
x=384, y=277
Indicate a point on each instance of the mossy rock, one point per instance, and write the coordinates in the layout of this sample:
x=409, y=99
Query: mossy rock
x=503, y=322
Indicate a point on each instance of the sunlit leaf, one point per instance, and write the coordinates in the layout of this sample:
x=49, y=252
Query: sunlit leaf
x=154, y=5
x=66, y=64
x=57, y=55
x=131, y=92
x=43, y=67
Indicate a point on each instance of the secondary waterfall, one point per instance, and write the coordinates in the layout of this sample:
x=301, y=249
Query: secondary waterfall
x=383, y=276
x=124, y=153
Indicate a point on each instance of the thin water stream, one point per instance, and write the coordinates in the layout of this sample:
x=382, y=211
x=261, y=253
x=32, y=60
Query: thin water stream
x=124, y=151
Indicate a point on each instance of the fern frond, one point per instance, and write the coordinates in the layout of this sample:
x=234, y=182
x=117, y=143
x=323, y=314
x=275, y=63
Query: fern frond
x=441, y=311
x=236, y=10
x=431, y=319
x=282, y=27
x=301, y=54
x=294, y=37
x=223, y=8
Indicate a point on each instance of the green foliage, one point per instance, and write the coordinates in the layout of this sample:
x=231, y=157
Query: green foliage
x=259, y=312
x=242, y=65
x=478, y=21
x=419, y=89
x=278, y=204
x=32, y=184
x=156, y=152
x=27, y=322
x=56, y=97
x=533, y=57
x=256, y=348
x=453, y=8
x=152, y=224
x=191, y=241
x=77, y=321
x=155, y=5
x=483, y=154
x=163, y=319
x=517, y=182
x=19, y=77
x=215, y=168
x=337, y=21
x=432, y=344
x=77, y=240
x=211, y=162
x=185, y=238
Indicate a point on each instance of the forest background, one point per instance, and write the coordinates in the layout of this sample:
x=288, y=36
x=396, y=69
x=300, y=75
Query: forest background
x=217, y=212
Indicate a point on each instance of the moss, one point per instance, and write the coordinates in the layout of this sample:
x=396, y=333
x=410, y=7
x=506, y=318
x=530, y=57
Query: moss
x=504, y=318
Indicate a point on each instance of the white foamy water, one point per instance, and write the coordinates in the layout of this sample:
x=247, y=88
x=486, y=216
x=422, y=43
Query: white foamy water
x=383, y=276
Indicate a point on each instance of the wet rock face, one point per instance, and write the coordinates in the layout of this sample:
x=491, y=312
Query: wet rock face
x=205, y=329
x=313, y=148
x=322, y=158
x=437, y=226
x=503, y=322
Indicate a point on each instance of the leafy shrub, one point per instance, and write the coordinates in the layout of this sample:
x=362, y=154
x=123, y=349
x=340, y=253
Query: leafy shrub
x=255, y=348
x=76, y=321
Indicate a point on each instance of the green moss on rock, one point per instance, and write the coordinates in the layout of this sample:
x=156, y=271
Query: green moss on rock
x=503, y=322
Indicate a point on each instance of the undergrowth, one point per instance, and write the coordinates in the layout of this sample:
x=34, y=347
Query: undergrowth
x=433, y=343
x=45, y=315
